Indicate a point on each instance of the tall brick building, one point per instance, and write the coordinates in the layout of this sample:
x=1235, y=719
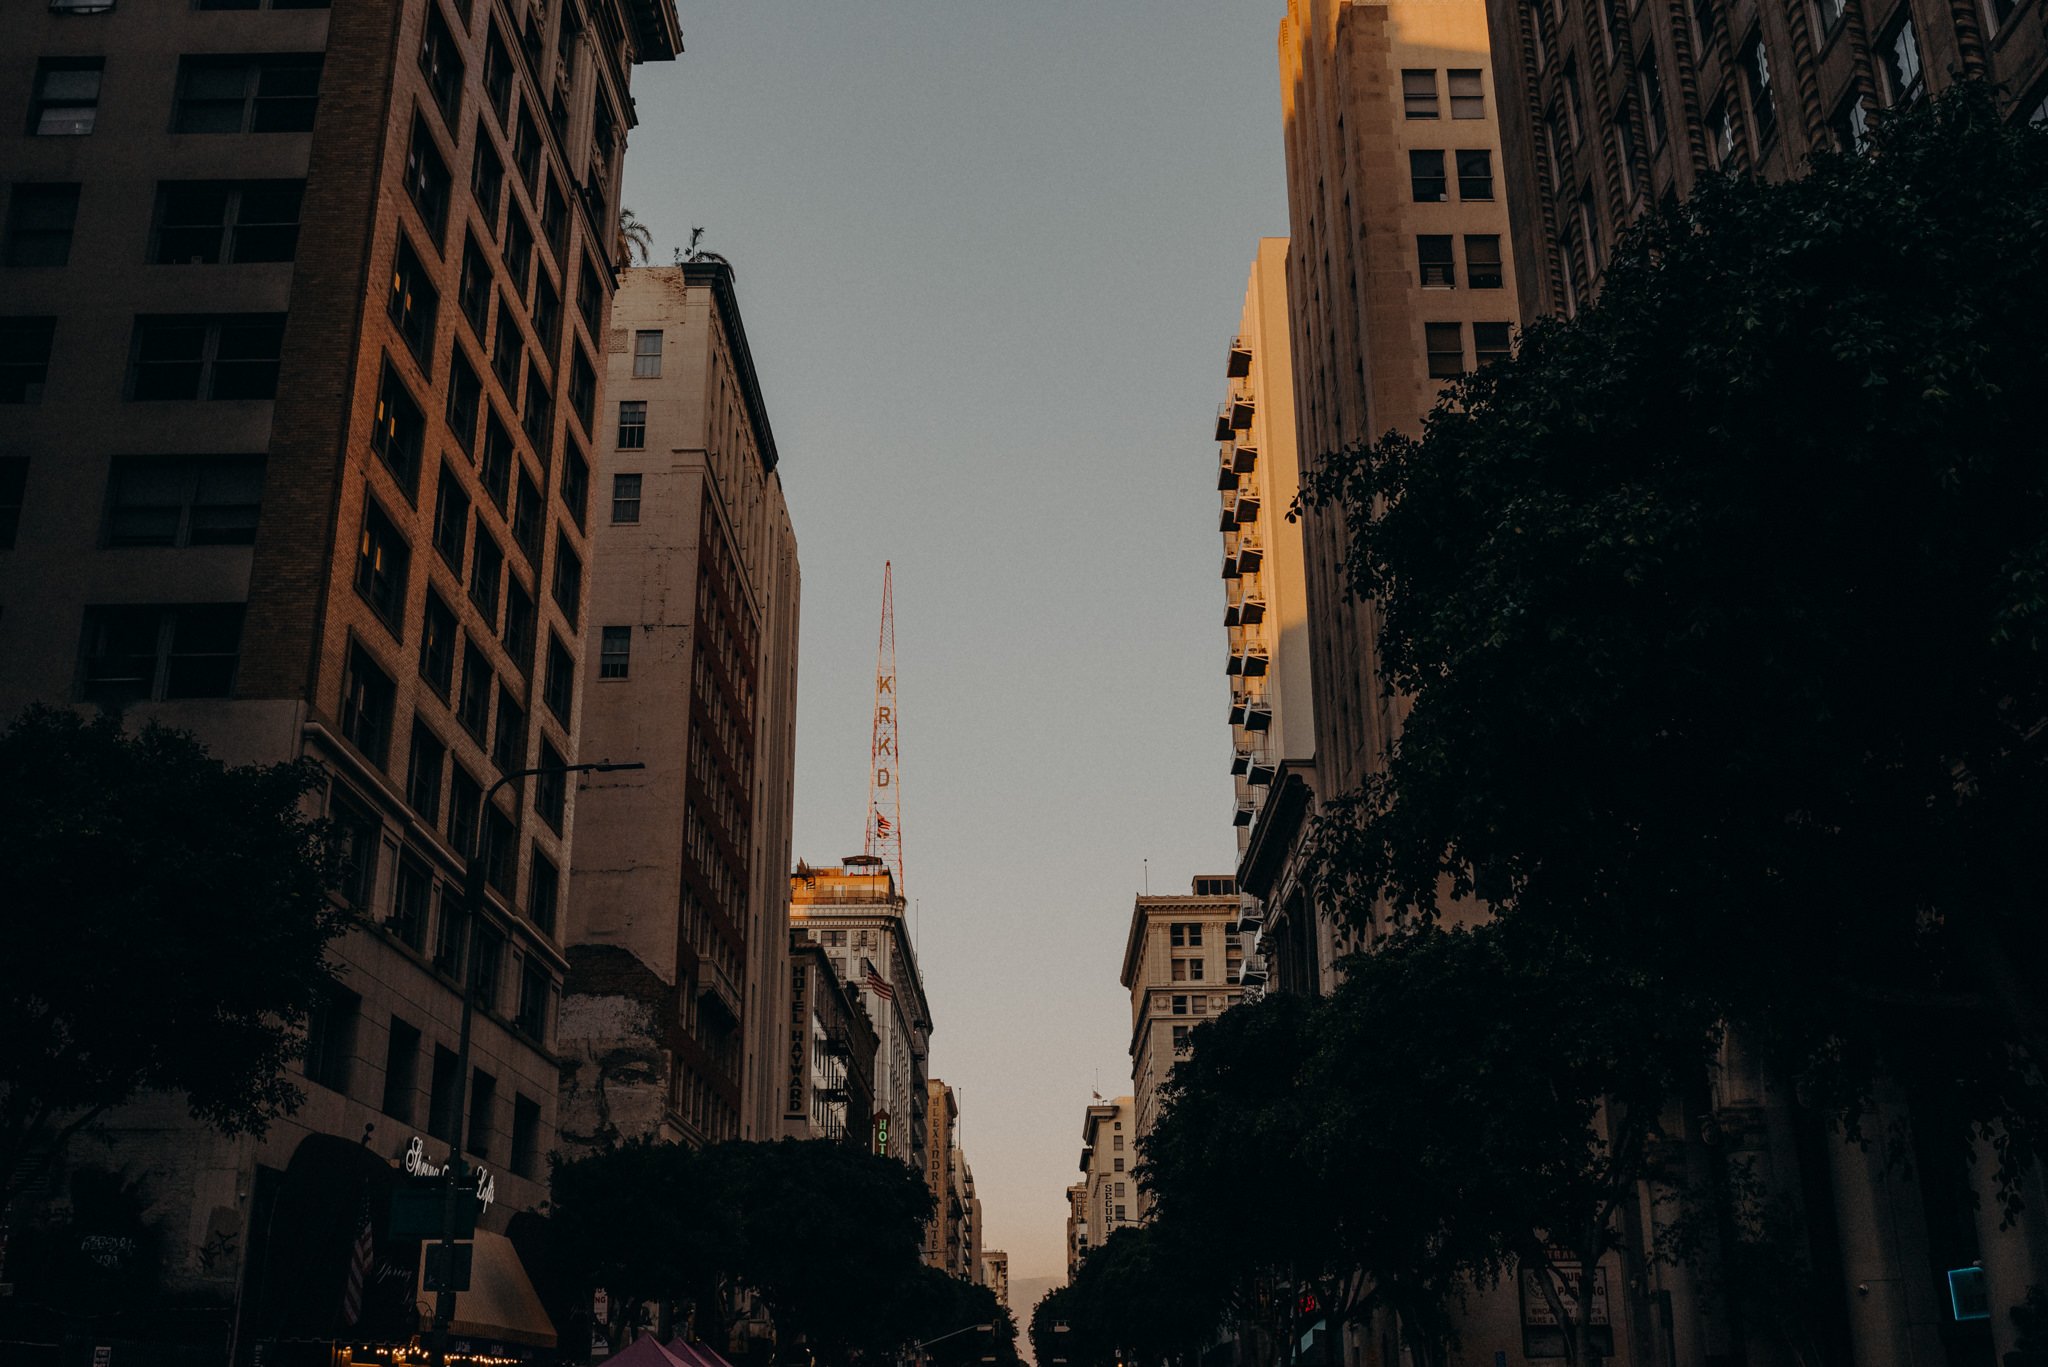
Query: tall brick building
x=299, y=380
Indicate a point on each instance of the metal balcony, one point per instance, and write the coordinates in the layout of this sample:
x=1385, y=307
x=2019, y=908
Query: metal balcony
x=1249, y=552
x=1246, y=505
x=1262, y=770
x=1252, y=660
x=1230, y=569
x=1240, y=759
x=1239, y=364
x=1254, y=970
x=1258, y=715
x=1226, y=477
x=715, y=989
x=1223, y=428
x=1241, y=814
x=1244, y=458
x=1228, y=521
x=1251, y=912
x=1241, y=408
x=1251, y=606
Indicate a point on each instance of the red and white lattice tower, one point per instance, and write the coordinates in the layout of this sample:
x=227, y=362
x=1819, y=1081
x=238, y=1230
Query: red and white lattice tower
x=885, y=785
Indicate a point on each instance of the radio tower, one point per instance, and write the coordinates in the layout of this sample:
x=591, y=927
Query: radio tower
x=885, y=792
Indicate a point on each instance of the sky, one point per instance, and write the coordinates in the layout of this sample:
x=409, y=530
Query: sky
x=989, y=256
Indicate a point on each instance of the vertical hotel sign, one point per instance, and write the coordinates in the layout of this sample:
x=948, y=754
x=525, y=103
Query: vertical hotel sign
x=799, y=1035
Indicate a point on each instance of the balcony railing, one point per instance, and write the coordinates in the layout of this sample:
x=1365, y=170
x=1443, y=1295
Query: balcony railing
x=1258, y=715
x=1252, y=660
x=1262, y=771
x=1251, y=912
x=1246, y=504
x=1249, y=552
x=1241, y=813
x=1226, y=477
x=1241, y=409
x=1239, y=364
x=1223, y=428
x=1227, y=522
x=715, y=988
x=1254, y=970
x=1244, y=458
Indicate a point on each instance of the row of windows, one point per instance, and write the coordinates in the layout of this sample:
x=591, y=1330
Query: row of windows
x=1445, y=343
x=170, y=356
x=1435, y=256
x=196, y=222
x=1419, y=92
x=1428, y=184
x=270, y=93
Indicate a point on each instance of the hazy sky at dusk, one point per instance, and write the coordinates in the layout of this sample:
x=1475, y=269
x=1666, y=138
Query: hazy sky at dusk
x=988, y=256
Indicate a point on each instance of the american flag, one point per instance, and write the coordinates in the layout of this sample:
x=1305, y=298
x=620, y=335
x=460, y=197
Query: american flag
x=879, y=985
x=360, y=1259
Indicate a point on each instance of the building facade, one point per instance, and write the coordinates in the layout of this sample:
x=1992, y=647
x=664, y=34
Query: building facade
x=995, y=1274
x=1108, y=1198
x=679, y=945
x=942, y=1116
x=829, y=1088
x=1077, y=1227
x=302, y=311
x=856, y=913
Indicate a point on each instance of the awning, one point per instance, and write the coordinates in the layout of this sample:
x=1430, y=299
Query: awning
x=646, y=1351
x=692, y=1355
x=709, y=1356
x=500, y=1303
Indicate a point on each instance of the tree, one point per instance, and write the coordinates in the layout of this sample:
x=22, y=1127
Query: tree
x=645, y=1222
x=1722, y=610
x=170, y=928
x=636, y=238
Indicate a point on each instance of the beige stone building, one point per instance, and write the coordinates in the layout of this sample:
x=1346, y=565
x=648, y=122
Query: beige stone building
x=678, y=943
x=942, y=1115
x=856, y=913
x=995, y=1274
x=1077, y=1227
x=1107, y=1197
x=302, y=309
x=829, y=1085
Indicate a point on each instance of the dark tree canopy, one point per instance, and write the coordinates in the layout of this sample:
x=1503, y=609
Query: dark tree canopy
x=1722, y=610
x=168, y=929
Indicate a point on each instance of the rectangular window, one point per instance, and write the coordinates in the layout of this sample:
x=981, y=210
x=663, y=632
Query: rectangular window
x=1439, y=269
x=583, y=389
x=206, y=356
x=1589, y=228
x=558, y=690
x=1898, y=52
x=590, y=304
x=568, y=581
x=184, y=500
x=1180, y=1006
x=141, y=654
x=508, y=350
x=529, y=515
x=206, y=222
x=1489, y=342
x=499, y=456
x=437, y=645
x=532, y=1019
x=551, y=787
x=427, y=180
x=1652, y=91
x=576, y=485
x=487, y=183
x=423, y=774
x=66, y=102
x=543, y=889
x=518, y=251
x=547, y=316
x=1418, y=94
x=483, y=1091
x=1482, y=262
x=1446, y=344
x=400, y=431
x=501, y=857
x=1756, y=73
x=554, y=219
x=646, y=355
x=625, y=499
x=40, y=218
x=401, y=1071
x=441, y=64
x=331, y=1039
x=616, y=653
x=1575, y=107
x=539, y=418
x=357, y=838
x=1625, y=144
x=1475, y=174
x=633, y=425
x=486, y=574
x=414, y=304
x=243, y=94
x=441, y=1094
x=465, y=801
x=367, y=699
x=465, y=398
x=498, y=79
x=526, y=1129
x=25, y=358
x=473, y=710
x=412, y=893
x=519, y=627
x=1720, y=136
x=1468, y=94
x=1851, y=123
x=526, y=149
x=382, y=564
x=508, y=744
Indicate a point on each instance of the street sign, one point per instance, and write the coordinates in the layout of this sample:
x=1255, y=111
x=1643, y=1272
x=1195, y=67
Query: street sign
x=1968, y=1296
x=448, y=1266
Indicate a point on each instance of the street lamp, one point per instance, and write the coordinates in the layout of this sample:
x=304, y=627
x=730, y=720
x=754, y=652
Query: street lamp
x=473, y=906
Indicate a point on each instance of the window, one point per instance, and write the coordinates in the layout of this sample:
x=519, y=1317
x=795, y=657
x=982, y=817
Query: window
x=616, y=653
x=498, y=79
x=487, y=182
x=331, y=1039
x=583, y=388
x=1851, y=123
x=543, y=889
x=508, y=350
x=441, y=64
x=1720, y=136
x=1589, y=228
x=1898, y=52
x=427, y=179
x=486, y=574
x=539, y=418
x=39, y=224
x=13, y=492
x=526, y=149
x=441, y=1093
x=554, y=219
x=532, y=1016
x=473, y=710
x=412, y=891
x=273, y=94
x=423, y=773
x=483, y=1090
x=1426, y=177
x=451, y=522
x=1418, y=94
x=525, y=1123
x=206, y=222
x=206, y=356
x=519, y=627
x=437, y=645
x=465, y=398
x=2001, y=11
x=1652, y=91
x=576, y=484
x=632, y=430
x=367, y=697
x=1446, y=345
x=590, y=304
x=401, y=1071
x=551, y=787
x=400, y=431
x=501, y=862
x=646, y=355
x=1482, y=262
x=558, y=690
x=465, y=802
x=518, y=251
x=25, y=358
x=357, y=837
x=184, y=500
x=495, y=467
x=1703, y=19
x=140, y=654
x=67, y=96
x=625, y=499
x=414, y=305
x=1756, y=73
x=568, y=582
x=1468, y=94
x=528, y=516
x=1116, y=1165
x=1489, y=342
x=1475, y=174
x=1575, y=107
x=1180, y=1039
x=382, y=562
x=508, y=745
x=547, y=316
x=1439, y=271
x=1625, y=143
x=1180, y=1006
